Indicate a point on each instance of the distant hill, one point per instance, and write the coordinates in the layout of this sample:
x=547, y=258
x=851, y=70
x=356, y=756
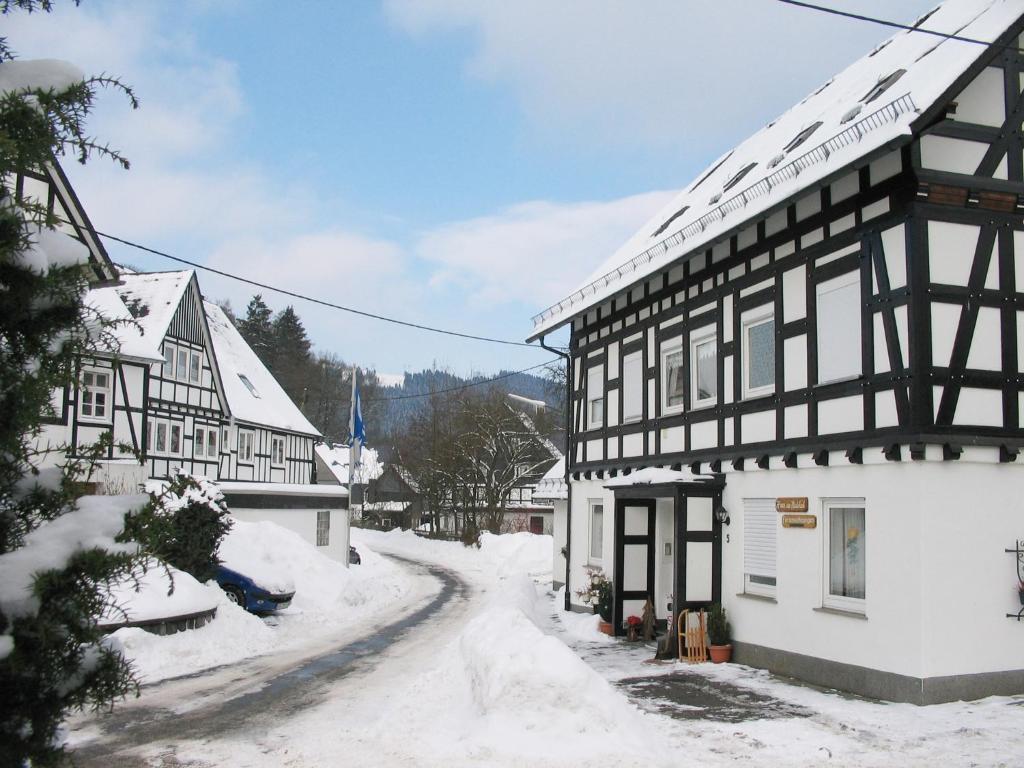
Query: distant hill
x=394, y=413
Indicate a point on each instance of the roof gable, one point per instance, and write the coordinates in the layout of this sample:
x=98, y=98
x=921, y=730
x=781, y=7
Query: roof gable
x=871, y=107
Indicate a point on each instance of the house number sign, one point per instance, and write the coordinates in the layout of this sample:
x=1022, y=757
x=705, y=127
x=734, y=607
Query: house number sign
x=799, y=521
x=791, y=504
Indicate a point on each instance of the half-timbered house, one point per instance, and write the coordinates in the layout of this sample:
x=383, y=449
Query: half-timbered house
x=798, y=390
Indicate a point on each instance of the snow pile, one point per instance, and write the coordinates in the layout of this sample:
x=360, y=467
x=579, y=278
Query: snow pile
x=51, y=249
x=156, y=596
x=527, y=553
x=93, y=525
x=578, y=626
x=330, y=601
x=251, y=551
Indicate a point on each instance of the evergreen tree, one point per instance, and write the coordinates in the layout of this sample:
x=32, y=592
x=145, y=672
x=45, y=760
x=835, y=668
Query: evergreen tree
x=257, y=330
x=290, y=360
x=51, y=658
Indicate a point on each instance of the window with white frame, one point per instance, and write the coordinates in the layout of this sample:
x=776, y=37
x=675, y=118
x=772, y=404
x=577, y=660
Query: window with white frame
x=277, y=451
x=225, y=439
x=760, y=524
x=323, y=528
x=246, y=438
x=595, y=397
x=596, y=550
x=174, y=439
x=633, y=386
x=759, y=353
x=839, y=328
x=168, y=361
x=159, y=430
x=94, y=395
x=704, y=367
x=199, y=442
x=211, y=443
x=845, y=543
x=182, y=368
x=672, y=378
x=195, y=366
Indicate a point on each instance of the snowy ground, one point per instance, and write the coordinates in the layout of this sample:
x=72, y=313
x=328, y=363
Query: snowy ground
x=502, y=676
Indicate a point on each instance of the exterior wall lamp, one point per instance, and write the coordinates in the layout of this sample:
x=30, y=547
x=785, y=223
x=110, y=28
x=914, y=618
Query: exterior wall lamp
x=722, y=515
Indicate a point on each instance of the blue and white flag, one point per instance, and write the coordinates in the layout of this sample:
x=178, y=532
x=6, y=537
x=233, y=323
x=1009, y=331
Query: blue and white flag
x=356, y=430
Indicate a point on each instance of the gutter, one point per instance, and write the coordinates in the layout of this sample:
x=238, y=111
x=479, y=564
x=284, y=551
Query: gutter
x=568, y=449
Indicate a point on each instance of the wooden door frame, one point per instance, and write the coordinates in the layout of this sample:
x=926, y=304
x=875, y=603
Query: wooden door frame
x=619, y=595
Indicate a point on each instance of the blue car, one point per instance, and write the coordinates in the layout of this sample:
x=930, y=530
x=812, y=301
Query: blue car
x=243, y=591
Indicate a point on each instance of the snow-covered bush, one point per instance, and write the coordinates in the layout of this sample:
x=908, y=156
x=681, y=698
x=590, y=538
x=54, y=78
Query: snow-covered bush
x=183, y=525
x=58, y=551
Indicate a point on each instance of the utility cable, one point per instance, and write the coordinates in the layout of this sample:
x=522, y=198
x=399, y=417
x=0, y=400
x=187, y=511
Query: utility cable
x=313, y=300
x=888, y=23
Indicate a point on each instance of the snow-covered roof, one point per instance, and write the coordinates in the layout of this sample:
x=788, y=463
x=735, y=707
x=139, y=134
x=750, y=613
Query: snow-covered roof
x=153, y=298
x=867, y=109
x=265, y=402
x=657, y=476
x=336, y=458
x=553, y=486
x=407, y=477
x=281, y=489
x=126, y=333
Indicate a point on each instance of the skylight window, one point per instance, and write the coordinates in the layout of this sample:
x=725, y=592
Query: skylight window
x=738, y=177
x=883, y=85
x=670, y=219
x=879, y=47
x=715, y=198
x=712, y=170
x=851, y=114
x=776, y=160
x=801, y=137
x=248, y=385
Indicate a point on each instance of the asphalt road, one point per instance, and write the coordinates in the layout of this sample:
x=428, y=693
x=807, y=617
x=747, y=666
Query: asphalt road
x=248, y=698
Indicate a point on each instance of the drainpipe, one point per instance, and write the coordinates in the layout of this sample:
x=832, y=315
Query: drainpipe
x=568, y=448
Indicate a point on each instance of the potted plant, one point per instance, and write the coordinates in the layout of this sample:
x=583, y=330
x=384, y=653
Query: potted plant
x=632, y=627
x=719, y=635
x=598, y=593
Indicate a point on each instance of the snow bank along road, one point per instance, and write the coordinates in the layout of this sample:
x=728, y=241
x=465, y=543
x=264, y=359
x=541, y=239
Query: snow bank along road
x=252, y=697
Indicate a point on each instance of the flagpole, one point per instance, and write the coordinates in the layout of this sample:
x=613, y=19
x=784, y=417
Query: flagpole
x=352, y=450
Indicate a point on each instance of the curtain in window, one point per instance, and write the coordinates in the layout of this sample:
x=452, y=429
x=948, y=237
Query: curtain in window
x=707, y=370
x=761, y=355
x=674, y=379
x=846, y=552
x=596, y=530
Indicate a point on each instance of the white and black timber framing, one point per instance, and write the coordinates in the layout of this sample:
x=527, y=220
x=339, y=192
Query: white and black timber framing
x=932, y=228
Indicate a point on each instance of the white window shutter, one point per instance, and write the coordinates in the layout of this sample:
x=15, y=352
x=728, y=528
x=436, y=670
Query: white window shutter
x=759, y=532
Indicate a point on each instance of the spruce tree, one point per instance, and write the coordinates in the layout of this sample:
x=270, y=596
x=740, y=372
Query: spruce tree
x=290, y=361
x=257, y=330
x=54, y=586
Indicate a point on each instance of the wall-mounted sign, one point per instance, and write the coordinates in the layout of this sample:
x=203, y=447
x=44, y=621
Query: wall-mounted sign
x=799, y=521
x=794, y=504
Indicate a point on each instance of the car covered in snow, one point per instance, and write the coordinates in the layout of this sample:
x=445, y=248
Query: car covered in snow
x=256, y=595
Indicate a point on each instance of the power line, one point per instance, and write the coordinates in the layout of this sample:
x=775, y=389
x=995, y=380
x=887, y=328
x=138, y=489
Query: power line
x=888, y=23
x=506, y=375
x=313, y=300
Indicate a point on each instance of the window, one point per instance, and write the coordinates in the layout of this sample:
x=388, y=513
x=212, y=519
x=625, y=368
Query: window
x=323, y=528
x=595, y=397
x=738, y=177
x=633, y=386
x=248, y=385
x=845, y=544
x=672, y=382
x=160, y=441
x=225, y=438
x=596, y=551
x=670, y=219
x=277, y=451
x=883, y=85
x=704, y=364
x=759, y=546
x=199, y=442
x=94, y=395
x=759, y=354
x=801, y=137
x=168, y=361
x=838, y=316
x=211, y=443
x=245, y=442
x=174, y=442
x=195, y=365
x=182, y=364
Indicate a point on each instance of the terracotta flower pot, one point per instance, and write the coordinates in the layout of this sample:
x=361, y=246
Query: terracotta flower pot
x=720, y=653
x=606, y=627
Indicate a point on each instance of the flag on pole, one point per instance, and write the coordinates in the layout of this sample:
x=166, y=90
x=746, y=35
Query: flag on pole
x=356, y=430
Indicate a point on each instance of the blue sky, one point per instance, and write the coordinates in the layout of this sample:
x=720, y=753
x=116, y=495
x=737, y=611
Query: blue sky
x=449, y=162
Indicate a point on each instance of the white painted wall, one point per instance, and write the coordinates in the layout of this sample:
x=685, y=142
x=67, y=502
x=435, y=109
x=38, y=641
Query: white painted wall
x=303, y=522
x=559, y=535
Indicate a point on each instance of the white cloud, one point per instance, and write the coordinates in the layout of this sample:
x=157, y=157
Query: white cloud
x=536, y=252
x=677, y=74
